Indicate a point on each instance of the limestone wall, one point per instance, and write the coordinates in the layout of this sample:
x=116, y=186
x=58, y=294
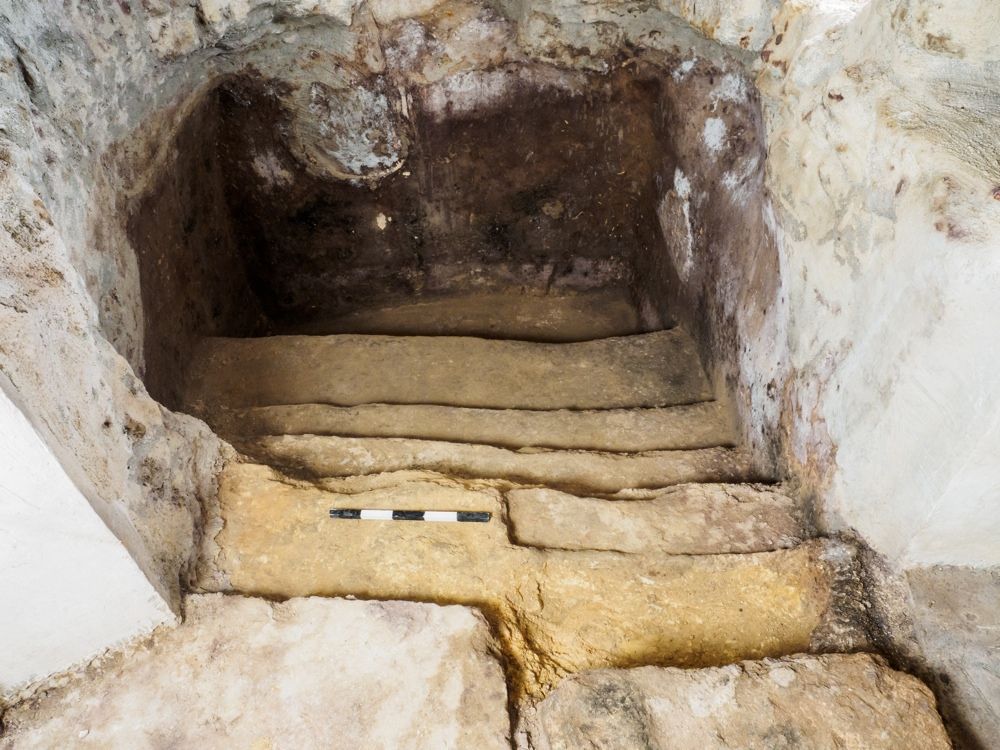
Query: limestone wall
x=883, y=127
x=73, y=78
x=882, y=123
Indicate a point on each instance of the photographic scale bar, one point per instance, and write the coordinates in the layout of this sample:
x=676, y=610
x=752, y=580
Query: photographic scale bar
x=438, y=516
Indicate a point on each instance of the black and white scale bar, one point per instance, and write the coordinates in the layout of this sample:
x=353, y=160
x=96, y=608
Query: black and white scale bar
x=440, y=516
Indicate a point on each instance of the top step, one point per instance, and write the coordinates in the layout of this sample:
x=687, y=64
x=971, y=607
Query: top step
x=645, y=370
x=509, y=314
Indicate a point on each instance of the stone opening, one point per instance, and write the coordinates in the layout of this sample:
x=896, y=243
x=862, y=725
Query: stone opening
x=509, y=195
x=293, y=201
x=309, y=192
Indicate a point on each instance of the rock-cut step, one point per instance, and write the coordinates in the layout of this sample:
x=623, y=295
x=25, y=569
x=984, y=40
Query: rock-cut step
x=580, y=471
x=645, y=370
x=685, y=427
x=508, y=314
x=689, y=519
x=556, y=611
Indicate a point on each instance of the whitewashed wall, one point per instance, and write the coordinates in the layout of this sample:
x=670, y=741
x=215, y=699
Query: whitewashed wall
x=883, y=125
x=69, y=588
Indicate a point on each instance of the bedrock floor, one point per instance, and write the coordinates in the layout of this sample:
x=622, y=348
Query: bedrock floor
x=627, y=529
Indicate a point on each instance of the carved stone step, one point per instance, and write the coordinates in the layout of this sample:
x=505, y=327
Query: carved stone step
x=699, y=425
x=569, y=316
x=645, y=370
x=575, y=471
x=695, y=519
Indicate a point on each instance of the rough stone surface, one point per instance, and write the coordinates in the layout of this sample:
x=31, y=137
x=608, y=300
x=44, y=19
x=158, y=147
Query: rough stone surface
x=556, y=612
x=701, y=425
x=740, y=23
x=852, y=702
x=102, y=114
x=580, y=471
x=653, y=369
x=690, y=519
x=303, y=673
x=96, y=99
x=955, y=623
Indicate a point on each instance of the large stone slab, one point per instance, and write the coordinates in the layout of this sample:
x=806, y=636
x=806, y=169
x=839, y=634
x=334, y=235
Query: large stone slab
x=692, y=519
x=306, y=673
x=850, y=702
x=580, y=471
x=556, y=612
x=624, y=430
x=652, y=369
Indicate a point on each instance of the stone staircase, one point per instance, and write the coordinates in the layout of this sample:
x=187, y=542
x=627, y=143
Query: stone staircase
x=627, y=526
x=628, y=535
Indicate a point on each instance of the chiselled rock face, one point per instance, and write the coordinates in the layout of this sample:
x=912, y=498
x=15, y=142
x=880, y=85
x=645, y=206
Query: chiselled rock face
x=377, y=195
x=174, y=170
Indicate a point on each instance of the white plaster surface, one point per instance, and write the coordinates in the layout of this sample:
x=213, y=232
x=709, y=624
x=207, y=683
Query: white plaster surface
x=68, y=587
x=880, y=117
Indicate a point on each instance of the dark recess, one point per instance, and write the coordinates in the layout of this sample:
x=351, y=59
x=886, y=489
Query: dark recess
x=545, y=190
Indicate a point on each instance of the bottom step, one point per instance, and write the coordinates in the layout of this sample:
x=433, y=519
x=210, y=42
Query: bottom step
x=852, y=702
